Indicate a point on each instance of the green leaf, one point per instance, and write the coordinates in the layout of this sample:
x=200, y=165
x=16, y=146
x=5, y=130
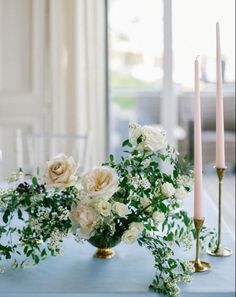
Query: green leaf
x=34, y=181
x=127, y=143
x=5, y=216
x=111, y=157
x=139, y=139
x=19, y=212
x=36, y=259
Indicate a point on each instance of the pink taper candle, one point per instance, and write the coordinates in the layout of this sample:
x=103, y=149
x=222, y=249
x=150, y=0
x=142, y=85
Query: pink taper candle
x=197, y=147
x=220, y=141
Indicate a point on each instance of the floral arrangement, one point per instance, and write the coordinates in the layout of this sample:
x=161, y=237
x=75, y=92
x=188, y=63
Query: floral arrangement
x=132, y=200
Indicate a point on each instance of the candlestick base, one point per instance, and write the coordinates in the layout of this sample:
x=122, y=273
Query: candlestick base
x=221, y=251
x=201, y=266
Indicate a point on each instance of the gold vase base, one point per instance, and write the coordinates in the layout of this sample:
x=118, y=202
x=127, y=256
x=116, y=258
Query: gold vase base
x=222, y=251
x=201, y=266
x=104, y=253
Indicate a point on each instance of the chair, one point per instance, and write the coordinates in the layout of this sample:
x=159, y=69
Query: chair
x=34, y=150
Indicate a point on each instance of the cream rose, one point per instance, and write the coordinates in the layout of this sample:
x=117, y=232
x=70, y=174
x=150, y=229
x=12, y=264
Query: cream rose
x=136, y=226
x=145, y=202
x=168, y=189
x=102, y=206
x=61, y=171
x=85, y=216
x=85, y=232
x=130, y=236
x=158, y=217
x=120, y=209
x=100, y=182
x=180, y=193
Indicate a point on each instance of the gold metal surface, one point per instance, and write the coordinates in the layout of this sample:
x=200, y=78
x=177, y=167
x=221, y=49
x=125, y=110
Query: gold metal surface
x=201, y=266
x=220, y=250
x=198, y=264
x=107, y=253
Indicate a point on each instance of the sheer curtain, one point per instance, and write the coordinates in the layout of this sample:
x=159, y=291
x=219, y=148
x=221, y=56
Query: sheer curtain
x=77, y=53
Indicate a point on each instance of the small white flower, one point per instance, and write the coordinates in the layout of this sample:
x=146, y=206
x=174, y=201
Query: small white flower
x=187, y=241
x=146, y=163
x=135, y=181
x=120, y=209
x=168, y=189
x=185, y=181
x=189, y=266
x=180, y=193
x=187, y=279
x=145, y=183
x=158, y=217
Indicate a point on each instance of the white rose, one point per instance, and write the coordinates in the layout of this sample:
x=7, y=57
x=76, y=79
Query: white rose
x=135, y=131
x=84, y=216
x=145, y=203
x=101, y=182
x=168, y=189
x=102, y=206
x=120, y=209
x=158, y=217
x=61, y=171
x=180, y=193
x=154, y=138
x=85, y=232
x=130, y=236
x=136, y=227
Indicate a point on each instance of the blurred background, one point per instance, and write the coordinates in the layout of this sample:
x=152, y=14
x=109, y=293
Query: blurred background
x=75, y=73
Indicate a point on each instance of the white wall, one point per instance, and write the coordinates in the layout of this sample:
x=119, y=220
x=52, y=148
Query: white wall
x=52, y=72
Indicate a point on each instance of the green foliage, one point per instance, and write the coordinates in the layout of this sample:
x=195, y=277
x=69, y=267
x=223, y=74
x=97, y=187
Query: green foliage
x=43, y=213
x=45, y=222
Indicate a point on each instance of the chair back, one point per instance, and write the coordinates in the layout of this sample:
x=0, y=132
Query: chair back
x=34, y=150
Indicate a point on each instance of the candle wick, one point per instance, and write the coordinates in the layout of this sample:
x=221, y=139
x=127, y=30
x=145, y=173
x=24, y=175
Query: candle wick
x=198, y=56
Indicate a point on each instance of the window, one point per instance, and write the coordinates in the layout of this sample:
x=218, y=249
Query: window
x=194, y=34
x=135, y=34
x=136, y=68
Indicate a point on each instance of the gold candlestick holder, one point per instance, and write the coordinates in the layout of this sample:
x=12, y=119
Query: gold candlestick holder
x=199, y=265
x=220, y=250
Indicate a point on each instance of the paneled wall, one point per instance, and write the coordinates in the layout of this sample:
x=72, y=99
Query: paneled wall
x=52, y=73
x=24, y=103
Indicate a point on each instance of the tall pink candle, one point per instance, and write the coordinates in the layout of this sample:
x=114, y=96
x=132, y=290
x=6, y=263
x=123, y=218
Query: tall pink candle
x=197, y=147
x=220, y=141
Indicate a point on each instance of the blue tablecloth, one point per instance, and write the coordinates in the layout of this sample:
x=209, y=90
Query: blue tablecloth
x=78, y=274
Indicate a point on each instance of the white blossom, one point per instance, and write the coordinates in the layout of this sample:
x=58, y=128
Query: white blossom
x=146, y=163
x=168, y=189
x=158, y=217
x=180, y=193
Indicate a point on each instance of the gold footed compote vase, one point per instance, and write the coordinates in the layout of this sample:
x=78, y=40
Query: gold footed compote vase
x=220, y=250
x=104, y=245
